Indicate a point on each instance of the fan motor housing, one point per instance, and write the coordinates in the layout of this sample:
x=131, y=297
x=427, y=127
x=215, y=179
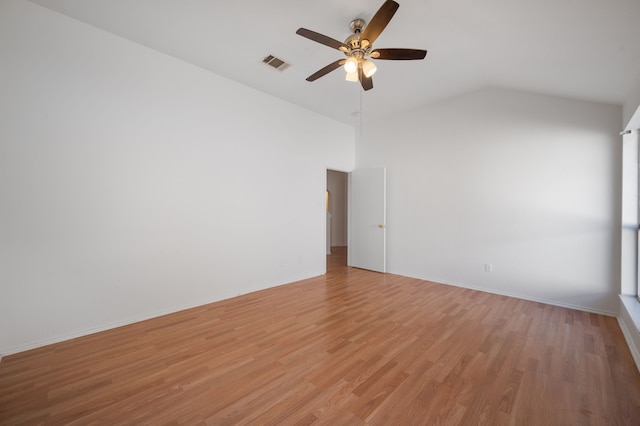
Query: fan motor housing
x=356, y=27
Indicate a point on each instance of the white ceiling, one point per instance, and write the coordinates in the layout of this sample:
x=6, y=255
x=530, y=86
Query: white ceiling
x=583, y=49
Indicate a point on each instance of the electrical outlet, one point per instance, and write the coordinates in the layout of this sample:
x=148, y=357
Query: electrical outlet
x=488, y=267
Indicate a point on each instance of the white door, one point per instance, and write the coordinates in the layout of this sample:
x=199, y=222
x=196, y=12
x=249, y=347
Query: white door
x=367, y=219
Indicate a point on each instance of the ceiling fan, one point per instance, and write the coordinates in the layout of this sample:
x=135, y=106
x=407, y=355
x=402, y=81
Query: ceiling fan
x=358, y=47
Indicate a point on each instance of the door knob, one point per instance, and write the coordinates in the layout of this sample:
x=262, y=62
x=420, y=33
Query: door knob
x=381, y=226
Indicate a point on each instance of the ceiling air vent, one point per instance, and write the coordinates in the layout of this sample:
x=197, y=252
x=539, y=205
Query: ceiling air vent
x=276, y=63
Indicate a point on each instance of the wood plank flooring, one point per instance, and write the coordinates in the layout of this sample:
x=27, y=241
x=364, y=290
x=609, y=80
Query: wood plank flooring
x=349, y=348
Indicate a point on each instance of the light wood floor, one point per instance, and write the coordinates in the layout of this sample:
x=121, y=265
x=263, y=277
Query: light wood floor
x=352, y=347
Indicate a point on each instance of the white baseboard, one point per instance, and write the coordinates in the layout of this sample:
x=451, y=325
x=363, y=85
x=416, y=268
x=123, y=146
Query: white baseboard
x=60, y=338
x=635, y=352
x=81, y=333
x=5, y=351
x=524, y=297
x=629, y=321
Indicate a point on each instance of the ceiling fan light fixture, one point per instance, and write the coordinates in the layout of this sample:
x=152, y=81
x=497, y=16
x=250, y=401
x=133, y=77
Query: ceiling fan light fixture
x=358, y=47
x=352, y=76
x=351, y=65
x=368, y=68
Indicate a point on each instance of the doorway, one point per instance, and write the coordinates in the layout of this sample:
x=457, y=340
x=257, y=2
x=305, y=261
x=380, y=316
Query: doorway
x=337, y=218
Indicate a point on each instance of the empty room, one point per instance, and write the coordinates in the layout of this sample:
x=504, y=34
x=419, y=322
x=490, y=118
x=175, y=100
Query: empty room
x=345, y=213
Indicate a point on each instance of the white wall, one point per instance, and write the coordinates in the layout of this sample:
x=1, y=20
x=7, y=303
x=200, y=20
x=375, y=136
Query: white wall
x=527, y=183
x=133, y=184
x=337, y=185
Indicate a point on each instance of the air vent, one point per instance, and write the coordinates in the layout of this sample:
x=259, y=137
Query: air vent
x=276, y=63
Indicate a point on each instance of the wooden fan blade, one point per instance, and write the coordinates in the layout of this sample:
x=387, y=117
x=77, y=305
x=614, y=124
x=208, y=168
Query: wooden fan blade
x=366, y=82
x=326, y=70
x=398, y=54
x=378, y=23
x=322, y=39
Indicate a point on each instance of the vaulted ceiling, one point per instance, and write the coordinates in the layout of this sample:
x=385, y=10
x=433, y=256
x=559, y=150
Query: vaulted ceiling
x=581, y=49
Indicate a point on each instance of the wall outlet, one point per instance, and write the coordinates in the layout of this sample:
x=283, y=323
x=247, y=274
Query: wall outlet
x=488, y=267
